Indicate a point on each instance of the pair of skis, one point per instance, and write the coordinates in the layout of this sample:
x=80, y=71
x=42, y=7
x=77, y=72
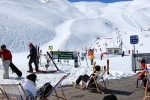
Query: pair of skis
x=38, y=54
x=38, y=57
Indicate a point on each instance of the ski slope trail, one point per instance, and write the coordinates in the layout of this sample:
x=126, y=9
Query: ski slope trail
x=62, y=34
x=129, y=16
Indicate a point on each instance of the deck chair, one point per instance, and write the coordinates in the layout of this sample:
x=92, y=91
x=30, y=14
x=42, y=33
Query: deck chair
x=53, y=91
x=97, y=79
x=12, y=92
x=147, y=92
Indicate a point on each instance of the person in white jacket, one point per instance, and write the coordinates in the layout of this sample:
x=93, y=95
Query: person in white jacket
x=29, y=86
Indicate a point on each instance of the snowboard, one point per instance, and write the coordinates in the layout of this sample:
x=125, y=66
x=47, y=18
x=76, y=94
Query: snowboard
x=15, y=69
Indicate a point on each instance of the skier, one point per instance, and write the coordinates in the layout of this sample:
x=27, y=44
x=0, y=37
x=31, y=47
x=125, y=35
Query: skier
x=6, y=56
x=33, y=57
x=82, y=56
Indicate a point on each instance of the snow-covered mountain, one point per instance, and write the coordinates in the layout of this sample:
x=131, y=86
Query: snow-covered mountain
x=42, y=22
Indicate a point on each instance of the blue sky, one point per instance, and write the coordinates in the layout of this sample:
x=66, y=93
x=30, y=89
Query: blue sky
x=105, y=1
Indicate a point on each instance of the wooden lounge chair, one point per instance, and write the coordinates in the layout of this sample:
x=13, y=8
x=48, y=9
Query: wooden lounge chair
x=53, y=91
x=12, y=92
x=97, y=78
x=147, y=92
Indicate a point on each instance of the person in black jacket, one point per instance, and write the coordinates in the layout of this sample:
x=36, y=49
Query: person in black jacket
x=33, y=58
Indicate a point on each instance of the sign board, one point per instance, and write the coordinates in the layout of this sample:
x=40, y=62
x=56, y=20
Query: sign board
x=62, y=55
x=50, y=48
x=134, y=39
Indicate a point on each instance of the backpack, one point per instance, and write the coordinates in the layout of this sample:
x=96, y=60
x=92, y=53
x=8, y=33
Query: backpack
x=42, y=91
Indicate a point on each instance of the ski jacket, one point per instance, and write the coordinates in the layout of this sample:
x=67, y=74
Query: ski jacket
x=29, y=87
x=33, y=52
x=5, y=54
x=92, y=56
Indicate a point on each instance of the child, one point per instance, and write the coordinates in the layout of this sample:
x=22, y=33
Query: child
x=48, y=61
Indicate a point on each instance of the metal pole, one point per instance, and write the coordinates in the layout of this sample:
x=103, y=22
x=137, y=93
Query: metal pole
x=134, y=58
x=121, y=44
x=134, y=48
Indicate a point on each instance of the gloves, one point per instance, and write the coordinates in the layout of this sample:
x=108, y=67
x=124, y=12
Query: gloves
x=28, y=56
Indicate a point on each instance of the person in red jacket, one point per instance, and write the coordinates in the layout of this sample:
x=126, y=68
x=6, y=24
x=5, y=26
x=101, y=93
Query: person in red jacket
x=6, y=57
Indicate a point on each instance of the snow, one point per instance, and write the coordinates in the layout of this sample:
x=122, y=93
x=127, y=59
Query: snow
x=73, y=27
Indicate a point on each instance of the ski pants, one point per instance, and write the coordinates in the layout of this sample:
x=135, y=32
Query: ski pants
x=6, y=64
x=35, y=63
x=84, y=78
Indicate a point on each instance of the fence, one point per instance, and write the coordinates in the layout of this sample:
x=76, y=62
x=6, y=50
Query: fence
x=136, y=59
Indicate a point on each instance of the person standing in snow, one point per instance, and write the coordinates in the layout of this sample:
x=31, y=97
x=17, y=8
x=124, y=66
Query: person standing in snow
x=6, y=57
x=82, y=56
x=92, y=56
x=33, y=58
x=122, y=53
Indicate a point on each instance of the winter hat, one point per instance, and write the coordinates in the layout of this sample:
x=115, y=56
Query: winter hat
x=30, y=44
x=3, y=46
x=31, y=77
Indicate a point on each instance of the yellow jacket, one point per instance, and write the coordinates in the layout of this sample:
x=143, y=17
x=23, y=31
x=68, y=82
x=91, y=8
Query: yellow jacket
x=92, y=56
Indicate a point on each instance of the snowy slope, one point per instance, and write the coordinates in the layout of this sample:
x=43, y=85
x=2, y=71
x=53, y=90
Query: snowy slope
x=37, y=21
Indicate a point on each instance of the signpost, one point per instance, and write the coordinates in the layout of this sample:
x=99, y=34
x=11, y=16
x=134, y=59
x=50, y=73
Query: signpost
x=50, y=48
x=134, y=39
x=65, y=55
x=62, y=55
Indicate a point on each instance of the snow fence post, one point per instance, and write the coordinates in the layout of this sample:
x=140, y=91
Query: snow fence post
x=75, y=59
x=107, y=66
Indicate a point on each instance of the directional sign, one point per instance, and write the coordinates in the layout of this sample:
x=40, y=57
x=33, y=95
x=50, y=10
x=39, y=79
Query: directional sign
x=62, y=55
x=134, y=39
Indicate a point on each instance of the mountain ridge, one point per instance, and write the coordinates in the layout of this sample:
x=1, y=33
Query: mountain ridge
x=36, y=21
